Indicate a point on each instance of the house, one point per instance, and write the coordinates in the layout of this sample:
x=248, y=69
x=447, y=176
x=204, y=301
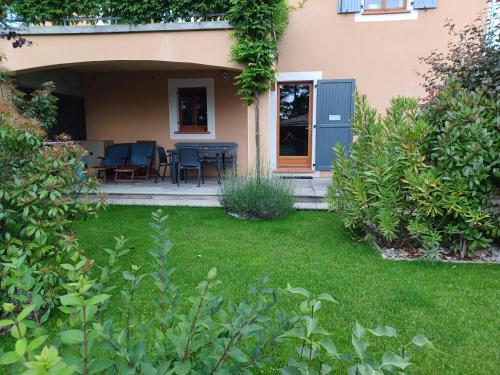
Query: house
x=174, y=82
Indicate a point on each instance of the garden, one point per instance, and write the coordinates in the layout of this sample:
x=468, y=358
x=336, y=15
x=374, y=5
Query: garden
x=91, y=289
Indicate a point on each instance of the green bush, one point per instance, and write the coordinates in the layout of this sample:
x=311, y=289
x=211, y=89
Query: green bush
x=204, y=336
x=464, y=146
x=409, y=183
x=39, y=198
x=257, y=197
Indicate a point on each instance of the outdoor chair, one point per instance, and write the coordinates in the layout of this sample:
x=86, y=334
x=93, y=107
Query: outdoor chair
x=189, y=159
x=115, y=156
x=164, y=161
x=141, y=157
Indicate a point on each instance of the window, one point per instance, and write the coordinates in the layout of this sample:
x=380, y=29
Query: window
x=192, y=109
x=385, y=6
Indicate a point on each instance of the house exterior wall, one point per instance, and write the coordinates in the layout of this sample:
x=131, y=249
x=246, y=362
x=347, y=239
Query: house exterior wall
x=382, y=56
x=380, y=52
x=203, y=47
x=131, y=106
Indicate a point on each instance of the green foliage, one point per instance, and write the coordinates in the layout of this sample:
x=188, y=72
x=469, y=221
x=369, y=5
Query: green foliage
x=258, y=29
x=130, y=11
x=41, y=104
x=472, y=59
x=205, y=337
x=464, y=146
x=264, y=197
x=409, y=183
x=317, y=353
x=39, y=197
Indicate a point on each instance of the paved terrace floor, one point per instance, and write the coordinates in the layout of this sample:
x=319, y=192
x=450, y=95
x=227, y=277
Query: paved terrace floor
x=309, y=193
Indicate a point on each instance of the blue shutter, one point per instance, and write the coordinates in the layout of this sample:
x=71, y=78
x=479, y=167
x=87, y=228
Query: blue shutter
x=425, y=4
x=348, y=6
x=334, y=109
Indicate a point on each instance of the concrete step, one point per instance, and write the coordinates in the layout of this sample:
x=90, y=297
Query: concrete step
x=175, y=202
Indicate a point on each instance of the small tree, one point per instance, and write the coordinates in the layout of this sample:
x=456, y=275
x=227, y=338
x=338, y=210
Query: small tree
x=259, y=26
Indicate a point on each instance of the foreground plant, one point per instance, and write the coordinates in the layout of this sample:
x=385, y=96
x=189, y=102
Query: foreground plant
x=207, y=336
x=40, y=196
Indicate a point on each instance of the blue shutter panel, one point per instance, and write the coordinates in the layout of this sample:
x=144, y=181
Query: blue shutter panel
x=425, y=4
x=334, y=109
x=348, y=6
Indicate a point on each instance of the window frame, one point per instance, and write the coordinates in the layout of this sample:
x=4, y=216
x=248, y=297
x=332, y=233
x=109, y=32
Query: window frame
x=176, y=133
x=195, y=128
x=384, y=10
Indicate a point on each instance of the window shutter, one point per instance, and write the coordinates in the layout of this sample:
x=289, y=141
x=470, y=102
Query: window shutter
x=425, y=4
x=348, y=6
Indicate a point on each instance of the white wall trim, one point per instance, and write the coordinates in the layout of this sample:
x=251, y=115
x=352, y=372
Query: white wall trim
x=273, y=112
x=412, y=15
x=173, y=112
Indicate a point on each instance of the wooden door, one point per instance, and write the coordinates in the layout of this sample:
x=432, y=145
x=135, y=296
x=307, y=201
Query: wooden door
x=295, y=108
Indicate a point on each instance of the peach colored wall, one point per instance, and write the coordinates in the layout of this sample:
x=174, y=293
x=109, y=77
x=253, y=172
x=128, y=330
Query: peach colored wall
x=166, y=46
x=381, y=56
x=130, y=106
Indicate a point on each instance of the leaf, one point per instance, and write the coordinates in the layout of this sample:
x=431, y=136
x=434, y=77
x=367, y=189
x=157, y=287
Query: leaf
x=9, y=358
x=99, y=365
x=290, y=370
x=21, y=345
x=72, y=299
x=238, y=355
x=330, y=347
x=392, y=359
x=72, y=336
x=36, y=343
x=182, y=368
x=384, y=331
x=97, y=299
x=310, y=324
x=420, y=340
x=326, y=297
x=25, y=312
x=6, y=323
x=301, y=291
x=296, y=332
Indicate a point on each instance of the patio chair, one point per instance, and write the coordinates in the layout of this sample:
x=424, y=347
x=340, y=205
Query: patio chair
x=115, y=155
x=141, y=157
x=164, y=161
x=189, y=159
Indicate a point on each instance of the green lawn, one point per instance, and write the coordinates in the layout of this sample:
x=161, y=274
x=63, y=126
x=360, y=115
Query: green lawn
x=456, y=306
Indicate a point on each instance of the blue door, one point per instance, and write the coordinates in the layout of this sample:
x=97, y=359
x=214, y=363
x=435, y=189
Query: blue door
x=335, y=106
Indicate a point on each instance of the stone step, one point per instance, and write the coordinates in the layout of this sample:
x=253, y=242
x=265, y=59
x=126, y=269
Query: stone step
x=168, y=202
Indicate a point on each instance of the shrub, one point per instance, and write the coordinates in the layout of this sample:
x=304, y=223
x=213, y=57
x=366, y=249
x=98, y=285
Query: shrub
x=39, y=197
x=206, y=337
x=464, y=146
x=410, y=183
x=257, y=197
x=472, y=59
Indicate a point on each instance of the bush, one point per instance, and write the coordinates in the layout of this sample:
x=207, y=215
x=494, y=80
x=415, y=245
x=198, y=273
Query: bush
x=39, y=198
x=207, y=336
x=412, y=184
x=472, y=59
x=464, y=146
x=253, y=197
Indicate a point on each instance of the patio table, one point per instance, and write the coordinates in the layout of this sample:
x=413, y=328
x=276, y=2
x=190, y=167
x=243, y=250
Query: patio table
x=213, y=152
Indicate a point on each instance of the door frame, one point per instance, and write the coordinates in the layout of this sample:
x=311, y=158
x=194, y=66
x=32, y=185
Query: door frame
x=282, y=77
x=295, y=162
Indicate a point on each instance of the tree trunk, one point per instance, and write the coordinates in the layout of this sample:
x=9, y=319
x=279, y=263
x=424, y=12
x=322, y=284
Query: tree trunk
x=257, y=137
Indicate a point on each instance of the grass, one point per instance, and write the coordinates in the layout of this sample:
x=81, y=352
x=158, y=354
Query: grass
x=456, y=306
